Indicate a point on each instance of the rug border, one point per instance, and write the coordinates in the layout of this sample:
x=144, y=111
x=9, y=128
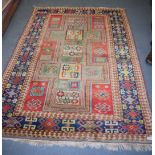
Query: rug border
x=131, y=41
x=16, y=51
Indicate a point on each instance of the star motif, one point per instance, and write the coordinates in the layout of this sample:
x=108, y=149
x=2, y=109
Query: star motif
x=11, y=93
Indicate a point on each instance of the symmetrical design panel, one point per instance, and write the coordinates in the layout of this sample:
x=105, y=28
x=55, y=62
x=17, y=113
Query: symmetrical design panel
x=71, y=64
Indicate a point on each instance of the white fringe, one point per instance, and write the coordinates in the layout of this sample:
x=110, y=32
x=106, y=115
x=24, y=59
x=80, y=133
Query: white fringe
x=96, y=145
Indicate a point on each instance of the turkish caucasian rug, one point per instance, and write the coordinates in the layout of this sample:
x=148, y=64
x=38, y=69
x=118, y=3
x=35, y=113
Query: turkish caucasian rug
x=75, y=75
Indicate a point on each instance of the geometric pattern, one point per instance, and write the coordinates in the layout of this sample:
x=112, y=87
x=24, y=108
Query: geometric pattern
x=102, y=99
x=70, y=71
x=75, y=75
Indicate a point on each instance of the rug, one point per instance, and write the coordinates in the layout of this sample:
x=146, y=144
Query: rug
x=75, y=76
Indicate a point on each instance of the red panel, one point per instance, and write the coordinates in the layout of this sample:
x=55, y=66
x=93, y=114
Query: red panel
x=55, y=20
x=102, y=99
x=35, y=97
x=48, y=48
x=99, y=50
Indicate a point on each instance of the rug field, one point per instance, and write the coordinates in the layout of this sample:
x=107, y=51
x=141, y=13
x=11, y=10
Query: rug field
x=75, y=76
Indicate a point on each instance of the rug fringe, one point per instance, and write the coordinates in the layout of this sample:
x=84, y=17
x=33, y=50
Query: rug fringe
x=96, y=145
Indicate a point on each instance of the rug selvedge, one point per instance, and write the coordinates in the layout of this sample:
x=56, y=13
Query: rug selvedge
x=106, y=114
